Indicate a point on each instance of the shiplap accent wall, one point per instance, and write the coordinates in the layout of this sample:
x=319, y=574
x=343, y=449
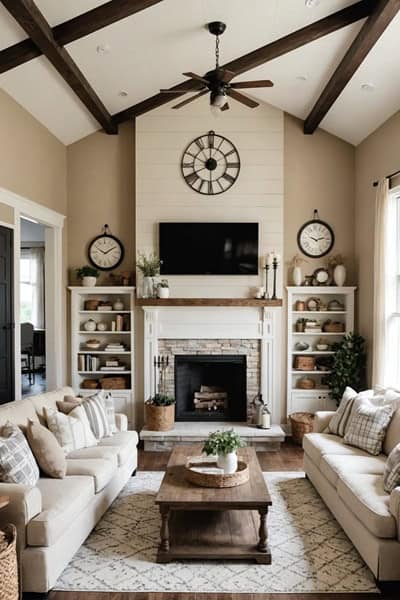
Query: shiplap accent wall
x=257, y=196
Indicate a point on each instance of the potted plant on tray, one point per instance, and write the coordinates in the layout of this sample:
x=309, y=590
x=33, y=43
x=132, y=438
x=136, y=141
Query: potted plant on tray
x=160, y=412
x=149, y=266
x=223, y=445
x=88, y=275
x=163, y=289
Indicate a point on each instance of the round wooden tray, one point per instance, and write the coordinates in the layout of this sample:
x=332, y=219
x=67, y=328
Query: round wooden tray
x=214, y=480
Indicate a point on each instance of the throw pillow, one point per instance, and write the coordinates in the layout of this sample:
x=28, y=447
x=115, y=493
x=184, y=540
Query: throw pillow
x=17, y=463
x=71, y=431
x=109, y=407
x=65, y=406
x=367, y=426
x=96, y=414
x=391, y=474
x=47, y=451
x=337, y=424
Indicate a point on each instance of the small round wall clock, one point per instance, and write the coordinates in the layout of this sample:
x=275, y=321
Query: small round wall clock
x=315, y=238
x=210, y=164
x=106, y=251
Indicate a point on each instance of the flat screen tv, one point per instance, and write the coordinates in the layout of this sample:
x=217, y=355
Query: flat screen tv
x=208, y=248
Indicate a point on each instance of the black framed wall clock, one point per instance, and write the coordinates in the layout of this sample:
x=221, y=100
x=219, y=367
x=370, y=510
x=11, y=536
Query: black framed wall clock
x=210, y=164
x=316, y=237
x=106, y=252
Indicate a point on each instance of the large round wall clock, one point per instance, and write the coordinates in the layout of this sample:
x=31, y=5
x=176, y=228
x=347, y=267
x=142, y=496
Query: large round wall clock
x=210, y=164
x=106, y=251
x=315, y=238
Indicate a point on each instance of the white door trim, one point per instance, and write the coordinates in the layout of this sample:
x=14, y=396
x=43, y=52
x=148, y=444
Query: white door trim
x=54, y=222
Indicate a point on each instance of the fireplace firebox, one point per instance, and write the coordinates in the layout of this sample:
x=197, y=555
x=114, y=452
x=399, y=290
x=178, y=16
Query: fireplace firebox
x=210, y=387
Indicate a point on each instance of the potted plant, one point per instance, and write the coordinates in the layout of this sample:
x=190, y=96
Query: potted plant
x=163, y=289
x=296, y=263
x=223, y=445
x=301, y=325
x=149, y=266
x=336, y=264
x=88, y=275
x=160, y=412
x=348, y=368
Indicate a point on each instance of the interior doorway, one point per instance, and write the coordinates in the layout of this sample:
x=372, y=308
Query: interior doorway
x=6, y=315
x=32, y=306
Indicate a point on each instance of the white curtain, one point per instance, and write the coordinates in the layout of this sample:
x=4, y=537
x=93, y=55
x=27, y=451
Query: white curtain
x=385, y=281
x=36, y=281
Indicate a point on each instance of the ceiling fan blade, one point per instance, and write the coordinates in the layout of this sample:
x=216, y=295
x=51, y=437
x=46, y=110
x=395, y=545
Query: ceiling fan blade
x=225, y=107
x=242, y=98
x=252, y=84
x=196, y=77
x=178, y=92
x=190, y=99
x=227, y=76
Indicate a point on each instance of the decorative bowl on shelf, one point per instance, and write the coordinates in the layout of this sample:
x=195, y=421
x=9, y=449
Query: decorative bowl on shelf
x=322, y=347
x=302, y=346
x=93, y=344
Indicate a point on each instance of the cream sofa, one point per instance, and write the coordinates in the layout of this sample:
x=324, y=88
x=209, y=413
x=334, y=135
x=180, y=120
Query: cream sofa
x=350, y=482
x=54, y=518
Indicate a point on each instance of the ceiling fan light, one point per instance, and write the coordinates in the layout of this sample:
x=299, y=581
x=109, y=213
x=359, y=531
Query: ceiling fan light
x=219, y=100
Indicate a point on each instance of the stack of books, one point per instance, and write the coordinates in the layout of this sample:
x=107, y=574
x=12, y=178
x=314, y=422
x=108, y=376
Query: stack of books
x=86, y=362
x=115, y=347
x=113, y=364
x=313, y=327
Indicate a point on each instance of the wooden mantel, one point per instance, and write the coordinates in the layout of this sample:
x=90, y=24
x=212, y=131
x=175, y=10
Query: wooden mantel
x=207, y=302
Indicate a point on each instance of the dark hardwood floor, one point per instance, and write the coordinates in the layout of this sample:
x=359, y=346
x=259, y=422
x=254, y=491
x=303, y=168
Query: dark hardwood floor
x=289, y=458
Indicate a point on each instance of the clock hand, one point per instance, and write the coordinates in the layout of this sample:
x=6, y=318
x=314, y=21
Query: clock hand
x=315, y=239
x=107, y=251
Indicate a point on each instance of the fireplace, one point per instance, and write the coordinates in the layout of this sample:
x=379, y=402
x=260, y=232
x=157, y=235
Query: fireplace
x=210, y=387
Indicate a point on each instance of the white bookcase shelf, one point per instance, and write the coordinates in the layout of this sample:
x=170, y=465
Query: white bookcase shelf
x=123, y=398
x=317, y=398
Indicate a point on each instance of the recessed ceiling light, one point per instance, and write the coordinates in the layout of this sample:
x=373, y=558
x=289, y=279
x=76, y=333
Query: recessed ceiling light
x=103, y=49
x=368, y=87
x=311, y=3
x=123, y=93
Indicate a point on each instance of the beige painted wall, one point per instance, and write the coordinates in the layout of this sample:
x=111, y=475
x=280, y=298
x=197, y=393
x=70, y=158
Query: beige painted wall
x=101, y=190
x=6, y=214
x=319, y=173
x=377, y=156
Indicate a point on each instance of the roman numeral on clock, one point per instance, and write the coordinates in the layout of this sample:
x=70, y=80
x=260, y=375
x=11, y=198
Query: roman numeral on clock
x=232, y=165
x=191, y=178
x=228, y=177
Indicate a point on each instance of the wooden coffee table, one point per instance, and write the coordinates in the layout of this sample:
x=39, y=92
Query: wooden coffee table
x=210, y=523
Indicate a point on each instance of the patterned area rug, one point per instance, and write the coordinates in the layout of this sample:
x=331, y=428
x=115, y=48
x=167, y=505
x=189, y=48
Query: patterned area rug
x=310, y=552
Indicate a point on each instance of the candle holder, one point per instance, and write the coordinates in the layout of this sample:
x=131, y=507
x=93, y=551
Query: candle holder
x=274, y=267
x=161, y=364
x=266, y=294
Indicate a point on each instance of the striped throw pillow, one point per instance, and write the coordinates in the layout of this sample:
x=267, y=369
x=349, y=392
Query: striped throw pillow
x=97, y=416
x=391, y=474
x=17, y=463
x=367, y=427
x=338, y=423
x=72, y=431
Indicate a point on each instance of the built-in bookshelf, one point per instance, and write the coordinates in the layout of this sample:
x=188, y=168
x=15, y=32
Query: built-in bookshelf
x=313, y=311
x=102, y=343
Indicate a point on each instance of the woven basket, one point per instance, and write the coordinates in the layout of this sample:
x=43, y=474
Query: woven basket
x=306, y=383
x=113, y=383
x=333, y=327
x=9, y=584
x=89, y=384
x=302, y=423
x=160, y=418
x=304, y=363
x=91, y=304
x=216, y=480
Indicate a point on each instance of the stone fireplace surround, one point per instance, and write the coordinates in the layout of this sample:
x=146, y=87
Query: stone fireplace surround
x=253, y=330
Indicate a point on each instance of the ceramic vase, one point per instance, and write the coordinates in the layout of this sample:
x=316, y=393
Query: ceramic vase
x=297, y=276
x=118, y=305
x=89, y=281
x=148, y=287
x=339, y=275
x=163, y=292
x=89, y=325
x=228, y=462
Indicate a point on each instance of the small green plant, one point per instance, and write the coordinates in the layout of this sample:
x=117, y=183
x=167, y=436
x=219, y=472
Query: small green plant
x=161, y=400
x=148, y=265
x=348, y=368
x=86, y=271
x=222, y=442
x=163, y=283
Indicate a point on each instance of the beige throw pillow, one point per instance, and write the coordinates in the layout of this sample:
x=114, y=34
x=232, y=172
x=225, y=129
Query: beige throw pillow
x=65, y=406
x=47, y=451
x=71, y=431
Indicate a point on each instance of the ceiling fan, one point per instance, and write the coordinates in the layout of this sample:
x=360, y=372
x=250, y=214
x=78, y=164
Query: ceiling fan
x=218, y=81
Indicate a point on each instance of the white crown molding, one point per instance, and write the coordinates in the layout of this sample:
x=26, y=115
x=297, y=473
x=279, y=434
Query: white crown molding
x=45, y=215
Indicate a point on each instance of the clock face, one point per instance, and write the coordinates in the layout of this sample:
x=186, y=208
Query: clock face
x=315, y=238
x=106, y=252
x=210, y=164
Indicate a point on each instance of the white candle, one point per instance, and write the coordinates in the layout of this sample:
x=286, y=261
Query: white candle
x=270, y=258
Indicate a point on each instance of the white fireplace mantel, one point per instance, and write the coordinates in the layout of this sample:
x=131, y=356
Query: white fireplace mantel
x=216, y=322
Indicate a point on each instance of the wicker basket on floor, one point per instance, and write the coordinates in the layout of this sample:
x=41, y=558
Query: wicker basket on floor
x=9, y=584
x=302, y=423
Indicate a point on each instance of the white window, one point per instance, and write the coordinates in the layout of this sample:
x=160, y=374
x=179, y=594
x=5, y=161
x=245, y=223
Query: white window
x=392, y=292
x=32, y=286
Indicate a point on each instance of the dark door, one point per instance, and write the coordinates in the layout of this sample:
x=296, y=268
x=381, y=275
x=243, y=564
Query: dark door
x=6, y=316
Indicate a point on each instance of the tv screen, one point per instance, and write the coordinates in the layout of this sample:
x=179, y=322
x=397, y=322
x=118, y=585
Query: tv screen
x=209, y=248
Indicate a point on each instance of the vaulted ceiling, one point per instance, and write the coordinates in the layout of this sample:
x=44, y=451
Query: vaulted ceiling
x=127, y=61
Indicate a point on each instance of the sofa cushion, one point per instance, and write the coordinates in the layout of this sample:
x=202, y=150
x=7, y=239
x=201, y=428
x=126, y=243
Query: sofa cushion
x=317, y=445
x=334, y=465
x=18, y=412
x=62, y=501
x=101, y=469
x=125, y=441
x=364, y=495
x=105, y=452
x=47, y=451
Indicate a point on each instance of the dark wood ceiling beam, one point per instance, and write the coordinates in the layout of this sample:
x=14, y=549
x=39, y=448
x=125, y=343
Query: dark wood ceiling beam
x=74, y=29
x=28, y=16
x=309, y=33
x=373, y=28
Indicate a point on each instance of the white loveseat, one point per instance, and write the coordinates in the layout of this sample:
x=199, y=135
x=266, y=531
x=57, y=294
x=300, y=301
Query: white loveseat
x=54, y=517
x=350, y=481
